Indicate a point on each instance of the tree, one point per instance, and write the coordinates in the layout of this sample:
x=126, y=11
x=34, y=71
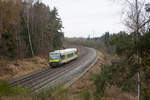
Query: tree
x=9, y=19
x=28, y=29
x=135, y=21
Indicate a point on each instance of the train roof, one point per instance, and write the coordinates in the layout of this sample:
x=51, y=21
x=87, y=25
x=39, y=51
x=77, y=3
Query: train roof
x=64, y=51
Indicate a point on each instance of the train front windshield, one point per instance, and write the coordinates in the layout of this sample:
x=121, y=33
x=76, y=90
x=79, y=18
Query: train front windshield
x=54, y=56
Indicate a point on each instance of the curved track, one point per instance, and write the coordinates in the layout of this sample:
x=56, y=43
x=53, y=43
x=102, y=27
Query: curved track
x=51, y=76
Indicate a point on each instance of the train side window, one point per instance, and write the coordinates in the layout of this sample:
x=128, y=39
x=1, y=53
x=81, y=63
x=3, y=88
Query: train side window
x=70, y=55
x=62, y=57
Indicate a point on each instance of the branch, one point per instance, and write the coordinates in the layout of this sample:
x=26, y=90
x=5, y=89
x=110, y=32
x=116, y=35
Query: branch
x=144, y=23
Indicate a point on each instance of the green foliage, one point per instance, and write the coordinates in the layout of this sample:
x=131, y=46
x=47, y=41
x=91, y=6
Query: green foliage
x=101, y=81
x=19, y=90
x=116, y=74
x=85, y=95
x=143, y=46
x=7, y=90
x=105, y=38
x=123, y=43
x=123, y=70
x=56, y=93
x=57, y=41
x=145, y=93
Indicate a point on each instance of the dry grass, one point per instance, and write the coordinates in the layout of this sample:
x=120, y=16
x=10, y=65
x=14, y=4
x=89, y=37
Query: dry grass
x=115, y=92
x=16, y=98
x=21, y=67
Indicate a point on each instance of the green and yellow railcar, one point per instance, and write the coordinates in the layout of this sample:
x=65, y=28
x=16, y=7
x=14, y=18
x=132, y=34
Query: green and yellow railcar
x=60, y=57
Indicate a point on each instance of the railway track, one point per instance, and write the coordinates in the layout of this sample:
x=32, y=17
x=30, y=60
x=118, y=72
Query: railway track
x=51, y=76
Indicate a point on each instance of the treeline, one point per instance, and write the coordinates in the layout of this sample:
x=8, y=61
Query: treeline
x=122, y=72
x=100, y=43
x=28, y=29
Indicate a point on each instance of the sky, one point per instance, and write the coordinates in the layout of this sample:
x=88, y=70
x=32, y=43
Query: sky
x=84, y=18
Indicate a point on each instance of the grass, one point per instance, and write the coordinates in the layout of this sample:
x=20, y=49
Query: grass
x=56, y=93
x=7, y=90
x=85, y=95
x=17, y=93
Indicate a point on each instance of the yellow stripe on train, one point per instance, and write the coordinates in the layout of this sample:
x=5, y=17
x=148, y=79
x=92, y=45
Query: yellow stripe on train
x=56, y=60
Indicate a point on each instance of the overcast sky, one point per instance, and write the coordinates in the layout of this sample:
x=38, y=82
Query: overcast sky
x=82, y=18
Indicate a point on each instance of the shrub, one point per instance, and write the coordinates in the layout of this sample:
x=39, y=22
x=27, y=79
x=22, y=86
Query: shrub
x=85, y=95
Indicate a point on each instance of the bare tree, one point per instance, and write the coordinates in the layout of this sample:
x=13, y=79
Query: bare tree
x=136, y=18
x=136, y=21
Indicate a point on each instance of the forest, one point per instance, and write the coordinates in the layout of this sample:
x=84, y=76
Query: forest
x=28, y=28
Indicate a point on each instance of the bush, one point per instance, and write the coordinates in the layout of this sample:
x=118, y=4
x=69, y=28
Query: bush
x=101, y=81
x=56, y=93
x=7, y=90
x=85, y=95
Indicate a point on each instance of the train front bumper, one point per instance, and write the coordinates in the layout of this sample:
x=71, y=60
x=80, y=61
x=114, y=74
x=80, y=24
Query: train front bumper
x=54, y=62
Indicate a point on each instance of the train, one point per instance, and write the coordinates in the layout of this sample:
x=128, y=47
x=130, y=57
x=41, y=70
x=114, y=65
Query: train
x=59, y=57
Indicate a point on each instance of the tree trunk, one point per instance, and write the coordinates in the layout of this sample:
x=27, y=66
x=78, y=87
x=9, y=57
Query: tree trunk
x=136, y=39
x=139, y=85
x=30, y=42
x=29, y=36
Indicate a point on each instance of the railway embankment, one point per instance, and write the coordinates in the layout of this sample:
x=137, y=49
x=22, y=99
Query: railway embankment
x=17, y=68
x=84, y=83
